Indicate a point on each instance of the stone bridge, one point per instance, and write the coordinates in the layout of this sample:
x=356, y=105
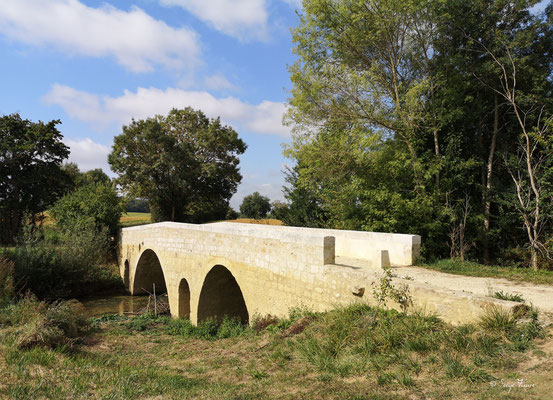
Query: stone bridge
x=242, y=270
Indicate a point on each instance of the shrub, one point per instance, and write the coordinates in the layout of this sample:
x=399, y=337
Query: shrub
x=6, y=281
x=94, y=205
x=72, y=267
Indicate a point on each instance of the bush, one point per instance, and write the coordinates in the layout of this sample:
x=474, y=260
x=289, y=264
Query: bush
x=95, y=205
x=72, y=267
x=36, y=323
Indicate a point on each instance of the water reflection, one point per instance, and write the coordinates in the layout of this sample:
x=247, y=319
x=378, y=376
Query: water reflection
x=116, y=304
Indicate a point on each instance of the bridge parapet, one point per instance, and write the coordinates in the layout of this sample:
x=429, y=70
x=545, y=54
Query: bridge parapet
x=402, y=249
x=265, y=249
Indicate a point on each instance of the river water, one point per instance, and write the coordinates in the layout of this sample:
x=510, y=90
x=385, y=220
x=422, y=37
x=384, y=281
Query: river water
x=114, y=304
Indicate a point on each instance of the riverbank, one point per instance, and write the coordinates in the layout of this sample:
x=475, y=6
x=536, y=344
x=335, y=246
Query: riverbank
x=336, y=355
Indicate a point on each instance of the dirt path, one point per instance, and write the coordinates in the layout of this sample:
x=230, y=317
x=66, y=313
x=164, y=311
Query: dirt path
x=541, y=296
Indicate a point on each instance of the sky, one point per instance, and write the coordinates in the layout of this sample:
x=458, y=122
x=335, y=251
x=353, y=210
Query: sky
x=95, y=65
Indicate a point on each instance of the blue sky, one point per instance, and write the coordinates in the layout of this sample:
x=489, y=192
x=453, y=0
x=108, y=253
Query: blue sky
x=96, y=64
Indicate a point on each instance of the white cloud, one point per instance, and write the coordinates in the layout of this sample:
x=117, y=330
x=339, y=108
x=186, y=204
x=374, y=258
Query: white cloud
x=242, y=19
x=263, y=118
x=135, y=39
x=88, y=155
x=218, y=82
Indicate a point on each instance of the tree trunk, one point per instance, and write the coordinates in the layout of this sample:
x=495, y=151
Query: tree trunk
x=488, y=187
x=173, y=213
x=534, y=258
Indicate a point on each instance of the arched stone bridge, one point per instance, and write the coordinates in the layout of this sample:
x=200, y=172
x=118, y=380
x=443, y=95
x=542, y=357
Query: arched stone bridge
x=241, y=270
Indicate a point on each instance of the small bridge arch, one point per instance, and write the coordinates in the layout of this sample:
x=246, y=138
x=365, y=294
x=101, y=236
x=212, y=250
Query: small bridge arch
x=147, y=273
x=221, y=296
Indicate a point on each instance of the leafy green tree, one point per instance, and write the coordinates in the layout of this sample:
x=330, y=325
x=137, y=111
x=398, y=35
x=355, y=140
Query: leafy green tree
x=31, y=154
x=94, y=205
x=79, y=178
x=399, y=121
x=279, y=210
x=255, y=206
x=138, y=205
x=184, y=164
x=305, y=207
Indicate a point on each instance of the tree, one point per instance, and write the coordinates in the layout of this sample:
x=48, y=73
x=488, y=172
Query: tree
x=398, y=117
x=255, y=206
x=279, y=210
x=31, y=179
x=184, y=164
x=138, y=205
x=78, y=178
x=94, y=205
x=305, y=207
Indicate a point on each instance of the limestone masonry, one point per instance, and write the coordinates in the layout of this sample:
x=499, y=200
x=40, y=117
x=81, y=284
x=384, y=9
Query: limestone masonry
x=242, y=270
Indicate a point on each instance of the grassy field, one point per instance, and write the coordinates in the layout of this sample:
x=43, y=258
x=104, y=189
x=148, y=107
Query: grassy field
x=335, y=355
x=493, y=271
x=135, y=218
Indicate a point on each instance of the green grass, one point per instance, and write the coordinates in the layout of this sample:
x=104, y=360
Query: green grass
x=469, y=268
x=340, y=354
x=135, y=218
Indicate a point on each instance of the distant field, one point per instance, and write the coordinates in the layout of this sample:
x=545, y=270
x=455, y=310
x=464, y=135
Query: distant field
x=135, y=218
x=257, y=221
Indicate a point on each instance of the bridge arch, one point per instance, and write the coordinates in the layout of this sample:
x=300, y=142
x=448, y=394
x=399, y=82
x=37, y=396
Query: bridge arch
x=221, y=296
x=126, y=274
x=148, y=272
x=184, y=299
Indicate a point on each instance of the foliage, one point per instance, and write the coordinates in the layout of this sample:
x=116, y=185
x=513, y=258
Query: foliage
x=210, y=329
x=232, y=214
x=386, y=290
x=6, y=281
x=36, y=323
x=79, y=179
x=94, y=205
x=304, y=206
x=31, y=154
x=255, y=206
x=401, y=124
x=138, y=205
x=184, y=164
x=73, y=266
x=279, y=210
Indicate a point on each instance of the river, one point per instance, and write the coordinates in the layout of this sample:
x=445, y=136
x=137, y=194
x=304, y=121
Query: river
x=114, y=304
